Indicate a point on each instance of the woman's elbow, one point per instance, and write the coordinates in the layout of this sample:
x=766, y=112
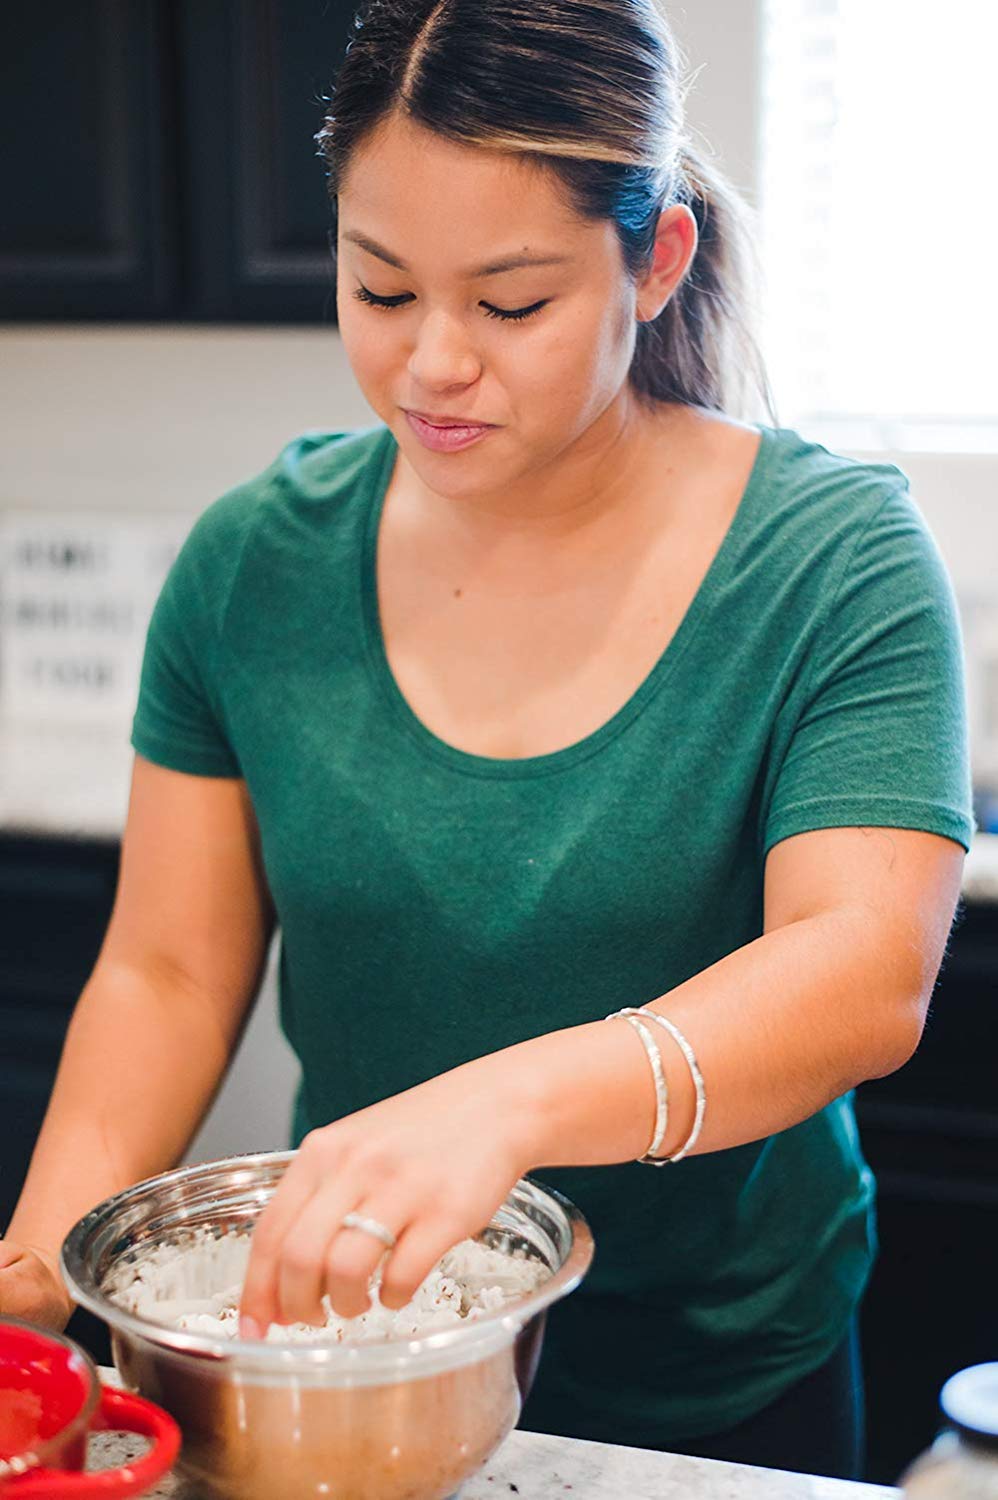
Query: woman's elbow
x=901, y=1033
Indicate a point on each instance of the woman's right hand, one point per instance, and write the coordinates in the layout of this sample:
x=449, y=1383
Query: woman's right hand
x=32, y=1288
x=181, y=962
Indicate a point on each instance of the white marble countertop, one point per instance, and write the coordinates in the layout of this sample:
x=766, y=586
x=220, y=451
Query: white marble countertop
x=536, y=1466
x=72, y=780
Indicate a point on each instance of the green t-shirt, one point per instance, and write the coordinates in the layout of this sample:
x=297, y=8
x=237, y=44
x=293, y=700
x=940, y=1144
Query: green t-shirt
x=436, y=905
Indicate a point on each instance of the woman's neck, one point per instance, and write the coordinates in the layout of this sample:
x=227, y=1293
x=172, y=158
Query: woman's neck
x=592, y=513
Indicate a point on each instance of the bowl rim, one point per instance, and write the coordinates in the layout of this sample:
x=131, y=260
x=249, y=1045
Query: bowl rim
x=464, y=1341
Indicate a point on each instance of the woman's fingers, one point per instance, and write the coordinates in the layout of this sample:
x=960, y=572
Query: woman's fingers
x=259, y=1305
x=403, y=1179
x=354, y=1256
x=419, y=1248
x=300, y=1277
x=320, y=1254
x=301, y=1248
x=285, y=1283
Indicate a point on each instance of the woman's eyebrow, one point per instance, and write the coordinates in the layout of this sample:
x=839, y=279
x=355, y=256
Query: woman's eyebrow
x=493, y=268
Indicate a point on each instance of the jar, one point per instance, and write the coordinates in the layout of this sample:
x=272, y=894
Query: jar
x=962, y=1463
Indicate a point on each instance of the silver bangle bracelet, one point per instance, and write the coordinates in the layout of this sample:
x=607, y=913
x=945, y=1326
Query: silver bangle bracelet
x=661, y=1092
x=630, y=1011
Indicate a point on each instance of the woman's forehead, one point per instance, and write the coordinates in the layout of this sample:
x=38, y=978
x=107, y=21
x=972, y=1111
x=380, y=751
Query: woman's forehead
x=459, y=214
x=403, y=170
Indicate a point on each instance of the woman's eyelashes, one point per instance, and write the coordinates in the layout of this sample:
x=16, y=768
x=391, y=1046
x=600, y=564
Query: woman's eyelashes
x=508, y=314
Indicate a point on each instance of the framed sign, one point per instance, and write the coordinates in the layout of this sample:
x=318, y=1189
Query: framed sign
x=76, y=593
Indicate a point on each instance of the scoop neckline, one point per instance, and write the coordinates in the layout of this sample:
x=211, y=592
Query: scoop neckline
x=473, y=764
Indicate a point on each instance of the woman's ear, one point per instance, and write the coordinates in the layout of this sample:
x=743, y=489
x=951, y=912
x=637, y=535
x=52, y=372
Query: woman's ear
x=676, y=240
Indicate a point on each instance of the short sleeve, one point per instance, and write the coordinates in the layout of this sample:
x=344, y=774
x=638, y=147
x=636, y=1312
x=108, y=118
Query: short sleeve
x=180, y=716
x=881, y=738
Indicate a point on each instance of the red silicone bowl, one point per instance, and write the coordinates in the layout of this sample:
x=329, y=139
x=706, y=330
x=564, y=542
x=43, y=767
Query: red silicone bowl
x=50, y=1399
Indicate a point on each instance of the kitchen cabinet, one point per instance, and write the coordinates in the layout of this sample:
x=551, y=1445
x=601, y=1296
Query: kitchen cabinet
x=90, y=220
x=55, y=902
x=930, y=1131
x=169, y=170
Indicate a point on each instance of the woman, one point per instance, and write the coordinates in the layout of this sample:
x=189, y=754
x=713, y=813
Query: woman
x=561, y=690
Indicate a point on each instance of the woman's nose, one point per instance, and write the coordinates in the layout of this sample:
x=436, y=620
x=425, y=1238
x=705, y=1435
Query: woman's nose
x=443, y=354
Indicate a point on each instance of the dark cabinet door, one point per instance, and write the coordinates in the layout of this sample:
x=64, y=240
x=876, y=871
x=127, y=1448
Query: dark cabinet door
x=258, y=221
x=89, y=223
x=160, y=161
x=56, y=897
x=930, y=1133
x=55, y=903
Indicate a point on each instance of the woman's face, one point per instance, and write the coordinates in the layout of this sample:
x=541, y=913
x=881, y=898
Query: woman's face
x=550, y=380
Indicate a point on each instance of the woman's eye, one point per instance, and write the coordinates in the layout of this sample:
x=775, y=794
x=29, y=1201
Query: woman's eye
x=363, y=295
x=513, y=314
x=508, y=314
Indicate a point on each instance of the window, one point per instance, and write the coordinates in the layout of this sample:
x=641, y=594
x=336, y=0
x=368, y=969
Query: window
x=878, y=219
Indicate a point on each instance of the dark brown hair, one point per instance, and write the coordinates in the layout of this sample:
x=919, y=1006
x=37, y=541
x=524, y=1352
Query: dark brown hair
x=592, y=90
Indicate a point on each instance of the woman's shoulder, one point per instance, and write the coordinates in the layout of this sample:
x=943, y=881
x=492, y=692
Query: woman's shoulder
x=808, y=509
x=811, y=519
x=805, y=474
x=787, y=498
x=320, y=464
x=315, y=469
x=837, y=527
x=793, y=477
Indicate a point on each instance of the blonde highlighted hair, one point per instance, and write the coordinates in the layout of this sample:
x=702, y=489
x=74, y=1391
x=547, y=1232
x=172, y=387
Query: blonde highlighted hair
x=593, y=91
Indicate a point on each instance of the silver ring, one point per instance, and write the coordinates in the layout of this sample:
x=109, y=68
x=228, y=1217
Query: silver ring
x=370, y=1226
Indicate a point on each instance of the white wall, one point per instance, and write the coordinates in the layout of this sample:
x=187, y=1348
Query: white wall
x=722, y=41
x=155, y=417
x=252, y=1111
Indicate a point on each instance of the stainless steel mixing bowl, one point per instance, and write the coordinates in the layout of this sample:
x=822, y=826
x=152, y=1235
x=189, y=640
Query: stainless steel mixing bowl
x=396, y=1419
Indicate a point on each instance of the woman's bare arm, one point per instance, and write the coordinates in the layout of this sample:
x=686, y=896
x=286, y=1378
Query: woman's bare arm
x=834, y=992
x=161, y=1013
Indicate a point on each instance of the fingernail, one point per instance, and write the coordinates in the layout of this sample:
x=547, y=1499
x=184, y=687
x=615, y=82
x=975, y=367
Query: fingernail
x=249, y=1328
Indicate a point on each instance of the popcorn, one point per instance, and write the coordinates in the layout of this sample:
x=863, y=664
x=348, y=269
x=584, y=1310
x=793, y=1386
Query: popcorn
x=196, y=1284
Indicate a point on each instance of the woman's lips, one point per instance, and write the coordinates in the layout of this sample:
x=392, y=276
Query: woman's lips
x=445, y=439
